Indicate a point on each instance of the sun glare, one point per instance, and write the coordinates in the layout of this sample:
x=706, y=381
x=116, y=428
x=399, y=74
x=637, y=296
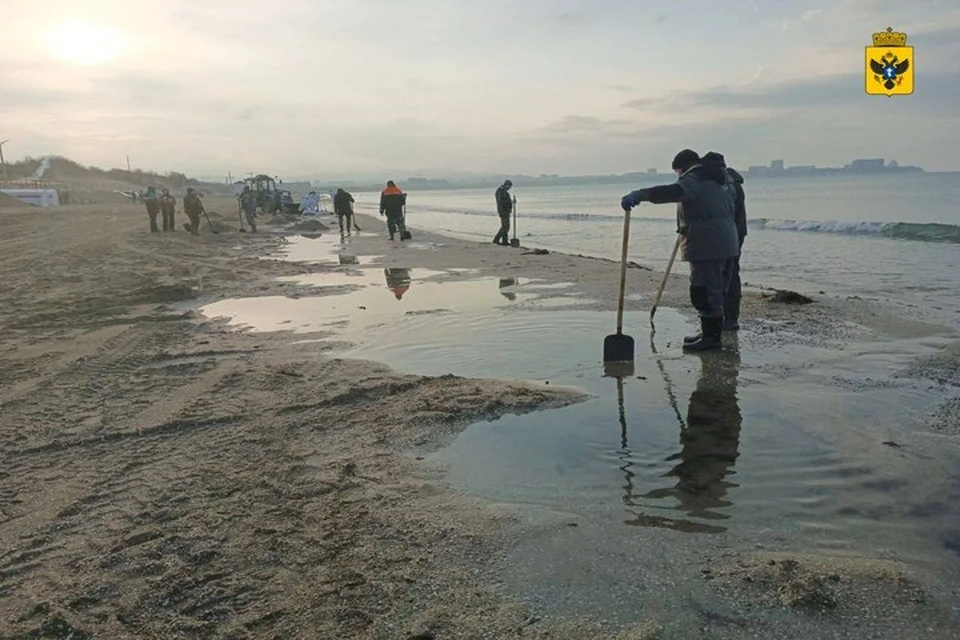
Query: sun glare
x=83, y=43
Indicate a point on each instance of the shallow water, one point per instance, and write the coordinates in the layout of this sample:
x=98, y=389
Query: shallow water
x=797, y=447
x=807, y=234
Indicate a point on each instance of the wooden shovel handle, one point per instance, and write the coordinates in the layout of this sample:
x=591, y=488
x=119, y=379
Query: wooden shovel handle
x=666, y=274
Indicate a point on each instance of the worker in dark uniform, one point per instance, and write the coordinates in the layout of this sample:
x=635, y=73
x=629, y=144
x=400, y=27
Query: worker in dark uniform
x=731, y=309
x=392, y=201
x=193, y=207
x=504, y=209
x=168, y=206
x=343, y=207
x=705, y=221
x=153, y=208
x=248, y=203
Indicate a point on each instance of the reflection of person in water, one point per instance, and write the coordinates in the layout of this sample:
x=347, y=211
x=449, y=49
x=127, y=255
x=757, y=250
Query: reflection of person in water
x=710, y=443
x=507, y=282
x=398, y=280
x=709, y=448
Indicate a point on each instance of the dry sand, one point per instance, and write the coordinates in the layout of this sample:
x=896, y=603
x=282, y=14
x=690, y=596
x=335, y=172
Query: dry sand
x=162, y=476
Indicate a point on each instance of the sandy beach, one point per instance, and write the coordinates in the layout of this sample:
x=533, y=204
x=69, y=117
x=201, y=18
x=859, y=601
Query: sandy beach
x=165, y=475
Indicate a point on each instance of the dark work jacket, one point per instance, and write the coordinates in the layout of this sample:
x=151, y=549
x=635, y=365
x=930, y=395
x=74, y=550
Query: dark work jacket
x=705, y=212
x=192, y=205
x=392, y=200
x=739, y=203
x=341, y=203
x=504, y=203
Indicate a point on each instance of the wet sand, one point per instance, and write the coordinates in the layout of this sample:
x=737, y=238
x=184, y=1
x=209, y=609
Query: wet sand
x=165, y=475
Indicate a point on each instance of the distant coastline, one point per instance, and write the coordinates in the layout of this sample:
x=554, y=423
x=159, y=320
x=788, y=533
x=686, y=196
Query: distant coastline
x=776, y=169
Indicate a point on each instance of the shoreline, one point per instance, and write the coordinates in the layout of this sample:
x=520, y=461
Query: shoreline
x=169, y=474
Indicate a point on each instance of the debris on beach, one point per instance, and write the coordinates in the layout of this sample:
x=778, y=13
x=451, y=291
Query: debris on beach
x=536, y=252
x=310, y=225
x=221, y=227
x=787, y=297
x=635, y=265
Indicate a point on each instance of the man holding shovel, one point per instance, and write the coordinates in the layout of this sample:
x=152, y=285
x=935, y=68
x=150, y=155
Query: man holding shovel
x=343, y=208
x=708, y=236
x=193, y=207
x=248, y=204
x=504, y=209
x=392, y=202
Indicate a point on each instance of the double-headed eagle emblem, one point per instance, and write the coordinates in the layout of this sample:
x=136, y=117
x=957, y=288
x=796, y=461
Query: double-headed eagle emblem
x=889, y=70
x=889, y=64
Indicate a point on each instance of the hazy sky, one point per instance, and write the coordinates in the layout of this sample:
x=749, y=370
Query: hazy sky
x=434, y=87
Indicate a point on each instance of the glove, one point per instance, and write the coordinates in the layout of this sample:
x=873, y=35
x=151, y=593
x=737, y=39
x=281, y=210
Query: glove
x=633, y=198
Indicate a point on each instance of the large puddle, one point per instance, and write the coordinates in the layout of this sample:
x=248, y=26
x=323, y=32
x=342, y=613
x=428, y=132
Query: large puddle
x=799, y=448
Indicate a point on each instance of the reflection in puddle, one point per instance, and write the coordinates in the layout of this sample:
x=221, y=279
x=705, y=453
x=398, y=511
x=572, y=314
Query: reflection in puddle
x=398, y=280
x=709, y=441
x=506, y=283
x=749, y=455
x=361, y=298
x=698, y=444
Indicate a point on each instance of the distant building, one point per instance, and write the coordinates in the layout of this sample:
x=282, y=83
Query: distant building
x=866, y=165
x=651, y=172
x=776, y=166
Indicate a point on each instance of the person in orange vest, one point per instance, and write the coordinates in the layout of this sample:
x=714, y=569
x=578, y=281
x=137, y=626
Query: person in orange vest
x=392, y=201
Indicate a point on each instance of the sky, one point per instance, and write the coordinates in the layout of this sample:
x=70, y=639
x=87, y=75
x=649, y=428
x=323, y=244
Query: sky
x=439, y=88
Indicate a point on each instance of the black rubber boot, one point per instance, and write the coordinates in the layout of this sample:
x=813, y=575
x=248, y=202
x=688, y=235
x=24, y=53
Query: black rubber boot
x=712, y=330
x=693, y=338
x=731, y=321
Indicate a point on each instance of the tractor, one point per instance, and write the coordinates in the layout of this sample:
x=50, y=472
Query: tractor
x=269, y=198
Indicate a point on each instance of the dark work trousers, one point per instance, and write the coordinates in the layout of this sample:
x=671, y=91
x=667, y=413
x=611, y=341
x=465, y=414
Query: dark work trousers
x=503, y=236
x=194, y=226
x=168, y=218
x=731, y=303
x=153, y=208
x=709, y=280
x=345, y=217
x=395, y=222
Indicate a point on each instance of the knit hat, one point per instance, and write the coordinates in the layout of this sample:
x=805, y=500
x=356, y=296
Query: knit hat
x=684, y=160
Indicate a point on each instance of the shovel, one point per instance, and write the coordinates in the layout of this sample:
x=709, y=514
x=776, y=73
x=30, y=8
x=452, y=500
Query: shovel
x=209, y=224
x=663, y=283
x=240, y=215
x=514, y=242
x=618, y=347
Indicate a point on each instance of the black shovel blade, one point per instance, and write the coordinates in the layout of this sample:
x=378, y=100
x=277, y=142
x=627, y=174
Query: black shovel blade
x=515, y=242
x=618, y=347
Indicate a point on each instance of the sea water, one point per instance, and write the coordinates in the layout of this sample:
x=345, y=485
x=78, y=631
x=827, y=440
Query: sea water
x=894, y=237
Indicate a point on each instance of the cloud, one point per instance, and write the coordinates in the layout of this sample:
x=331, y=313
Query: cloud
x=935, y=94
x=572, y=19
x=535, y=86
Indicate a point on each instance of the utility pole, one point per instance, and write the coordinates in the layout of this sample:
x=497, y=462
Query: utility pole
x=2, y=161
x=128, y=163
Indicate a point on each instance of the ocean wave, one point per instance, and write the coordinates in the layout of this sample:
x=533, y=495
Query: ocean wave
x=920, y=231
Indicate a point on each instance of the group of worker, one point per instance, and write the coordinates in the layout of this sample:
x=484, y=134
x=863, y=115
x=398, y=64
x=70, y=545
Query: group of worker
x=711, y=223
x=164, y=205
x=393, y=202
